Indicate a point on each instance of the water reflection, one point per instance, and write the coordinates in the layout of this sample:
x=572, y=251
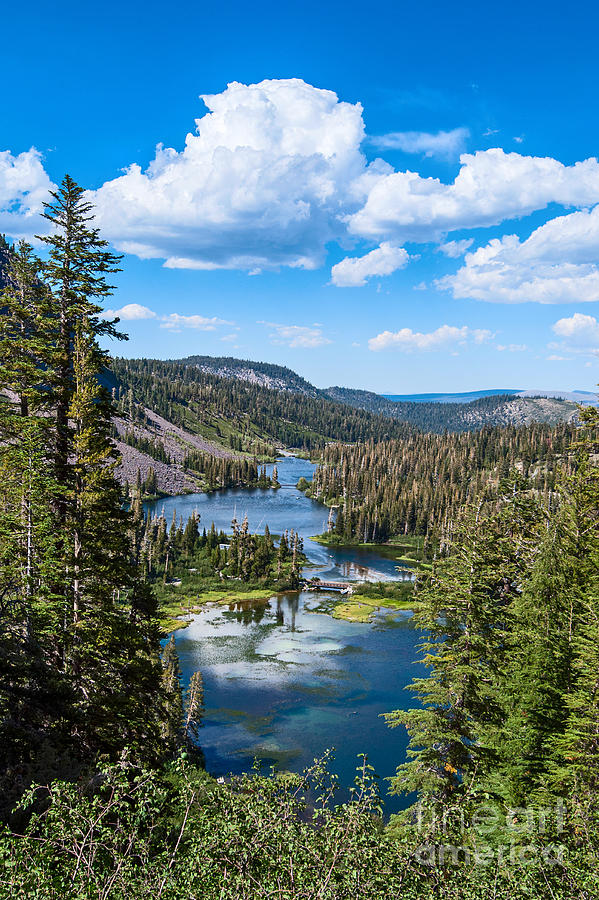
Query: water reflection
x=283, y=681
x=281, y=509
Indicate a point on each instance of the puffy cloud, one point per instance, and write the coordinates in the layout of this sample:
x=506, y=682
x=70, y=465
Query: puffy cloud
x=491, y=186
x=579, y=327
x=177, y=322
x=455, y=249
x=129, y=313
x=353, y=271
x=580, y=334
x=263, y=182
x=556, y=264
x=446, y=144
x=296, y=335
x=274, y=172
x=407, y=340
x=24, y=185
x=132, y=312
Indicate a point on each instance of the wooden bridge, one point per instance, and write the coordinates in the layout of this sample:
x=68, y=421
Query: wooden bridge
x=342, y=586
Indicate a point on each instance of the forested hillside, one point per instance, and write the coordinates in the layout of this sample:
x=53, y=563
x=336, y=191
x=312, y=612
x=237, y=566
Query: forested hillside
x=268, y=375
x=417, y=485
x=239, y=414
x=261, y=381
x=224, y=407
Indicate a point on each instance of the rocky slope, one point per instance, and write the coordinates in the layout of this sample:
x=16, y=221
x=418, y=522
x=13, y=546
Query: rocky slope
x=498, y=409
x=171, y=477
x=268, y=375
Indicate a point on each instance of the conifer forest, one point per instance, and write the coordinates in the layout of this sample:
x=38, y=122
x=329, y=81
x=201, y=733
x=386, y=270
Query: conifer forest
x=106, y=789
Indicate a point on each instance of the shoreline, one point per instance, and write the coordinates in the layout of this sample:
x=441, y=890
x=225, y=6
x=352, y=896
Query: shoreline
x=359, y=608
x=171, y=614
x=388, y=547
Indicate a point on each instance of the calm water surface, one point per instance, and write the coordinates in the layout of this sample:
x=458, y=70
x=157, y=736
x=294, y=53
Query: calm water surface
x=283, y=680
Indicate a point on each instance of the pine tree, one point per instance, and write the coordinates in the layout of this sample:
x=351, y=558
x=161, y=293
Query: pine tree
x=171, y=682
x=81, y=637
x=466, y=611
x=33, y=695
x=194, y=708
x=575, y=750
x=76, y=270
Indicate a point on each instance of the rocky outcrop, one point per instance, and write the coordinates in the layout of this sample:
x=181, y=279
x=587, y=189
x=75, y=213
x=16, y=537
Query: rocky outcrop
x=171, y=477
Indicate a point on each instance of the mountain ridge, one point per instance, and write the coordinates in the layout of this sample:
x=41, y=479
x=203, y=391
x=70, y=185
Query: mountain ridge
x=223, y=406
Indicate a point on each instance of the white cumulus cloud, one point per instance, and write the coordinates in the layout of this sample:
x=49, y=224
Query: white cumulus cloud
x=407, y=340
x=446, y=144
x=490, y=187
x=306, y=336
x=177, y=322
x=263, y=182
x=24, y=186
x=129, y=313
x=353, y=271
x=274, y=172
x=579, y=333
x=556, y=264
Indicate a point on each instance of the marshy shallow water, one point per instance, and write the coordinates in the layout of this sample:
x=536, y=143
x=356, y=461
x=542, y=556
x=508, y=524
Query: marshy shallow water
x=284, y=680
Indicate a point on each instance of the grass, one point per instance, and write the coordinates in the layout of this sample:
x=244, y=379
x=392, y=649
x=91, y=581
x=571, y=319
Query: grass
x=368, y=597
x=404, y=549
x=361, y=611
x=354, y=612
x=176, y=605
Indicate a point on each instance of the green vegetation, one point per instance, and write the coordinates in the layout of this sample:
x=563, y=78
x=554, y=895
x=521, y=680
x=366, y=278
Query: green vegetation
x=413, y=486
x=179, y=834
x=80, y=670
x=153, y=447
x=509, y=712
x=187, y=568
x=176, y=603
x=390, y=594
x=218, y=472
x=433, y=416
x=239, y=414
x=267, y=374
x=368, y=597
x=353, y=611
x=407, y=550
x=103, y=791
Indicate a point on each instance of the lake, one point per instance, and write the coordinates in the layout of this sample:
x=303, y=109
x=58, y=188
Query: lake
x=283, y=680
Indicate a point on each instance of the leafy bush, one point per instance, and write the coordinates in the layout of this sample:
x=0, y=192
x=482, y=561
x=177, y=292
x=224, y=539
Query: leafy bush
x=133, y=833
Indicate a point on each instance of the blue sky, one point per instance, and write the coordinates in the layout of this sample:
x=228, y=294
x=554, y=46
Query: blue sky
x=401, y=198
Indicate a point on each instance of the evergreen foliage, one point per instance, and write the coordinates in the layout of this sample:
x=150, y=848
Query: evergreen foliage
x=416, y=485
x=211, y=405
x=100, y=798
x=79, y=644
x=510, y=710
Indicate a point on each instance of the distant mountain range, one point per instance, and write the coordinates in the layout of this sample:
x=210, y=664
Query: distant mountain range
x=431, y=412
x=465, y=397
x=223, y=406
x=584, y=397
